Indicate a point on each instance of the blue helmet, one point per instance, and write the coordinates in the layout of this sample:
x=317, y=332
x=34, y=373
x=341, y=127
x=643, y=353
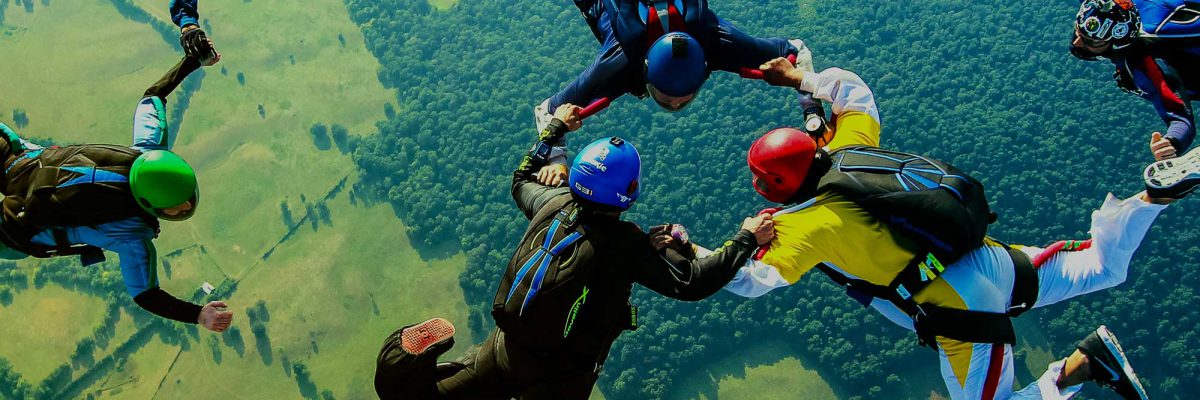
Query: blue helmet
x=675, y=70
x=607, y=172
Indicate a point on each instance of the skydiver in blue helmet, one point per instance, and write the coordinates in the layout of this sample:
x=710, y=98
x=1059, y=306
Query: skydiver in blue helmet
x=665, y=50
x=1155, y=46
x=564, y=297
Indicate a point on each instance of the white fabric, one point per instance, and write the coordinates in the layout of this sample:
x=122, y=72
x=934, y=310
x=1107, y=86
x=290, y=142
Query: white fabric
x=1118, y=227
x=804, y=57
x=756, y=279
x=842, y=88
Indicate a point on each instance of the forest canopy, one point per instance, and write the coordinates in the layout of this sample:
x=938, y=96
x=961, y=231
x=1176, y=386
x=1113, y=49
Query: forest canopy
x=987, y=85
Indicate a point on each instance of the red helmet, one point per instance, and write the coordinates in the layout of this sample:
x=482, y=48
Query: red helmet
x=779, y=161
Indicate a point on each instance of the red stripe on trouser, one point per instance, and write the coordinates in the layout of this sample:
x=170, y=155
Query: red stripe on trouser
x=995, y=370
x=1171, y=101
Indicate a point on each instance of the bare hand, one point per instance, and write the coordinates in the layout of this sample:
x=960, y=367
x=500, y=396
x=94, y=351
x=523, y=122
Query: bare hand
x=762, y=227
x=569, y=114
x=1161, y=147
x=781, y=72
x=552, y=175
x=214, y=317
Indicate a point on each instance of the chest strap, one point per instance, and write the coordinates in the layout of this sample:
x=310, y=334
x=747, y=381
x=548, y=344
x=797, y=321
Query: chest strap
x=548, y=251
x=88, y=255
x=932, y=321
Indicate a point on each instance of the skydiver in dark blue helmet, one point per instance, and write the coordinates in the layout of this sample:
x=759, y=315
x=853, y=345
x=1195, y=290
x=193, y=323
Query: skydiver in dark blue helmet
x=1155, y=46
x=564, y=297
x=666, y=50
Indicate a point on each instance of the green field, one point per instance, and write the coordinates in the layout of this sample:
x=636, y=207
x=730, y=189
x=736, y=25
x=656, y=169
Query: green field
x=767, y=371
x=77, y=84
x=786, y=378
x=443, y=4
x=41, y=326
x=333, y=292
x=325, y=286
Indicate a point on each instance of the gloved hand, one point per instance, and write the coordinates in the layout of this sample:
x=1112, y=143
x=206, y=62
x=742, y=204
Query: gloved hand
x=197, y=46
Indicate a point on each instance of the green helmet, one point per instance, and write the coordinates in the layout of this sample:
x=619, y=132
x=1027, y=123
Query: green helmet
x=159, y=180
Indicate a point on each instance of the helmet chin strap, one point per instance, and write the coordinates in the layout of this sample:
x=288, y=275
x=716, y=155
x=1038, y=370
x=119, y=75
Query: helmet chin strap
x=1084, y=54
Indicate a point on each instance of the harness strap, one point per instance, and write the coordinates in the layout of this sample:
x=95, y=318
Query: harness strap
x=88, y=255
x=963, y=325
x=1025, y=283
x=931, y=321
x=62, y=244
x=548, y=251
x=1061, y=246
x=662, y=17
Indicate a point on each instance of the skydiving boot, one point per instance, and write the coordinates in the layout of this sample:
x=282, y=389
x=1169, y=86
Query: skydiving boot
x=407, y=363
x=1109, y=366
x=434, y=336
x=1173, y=178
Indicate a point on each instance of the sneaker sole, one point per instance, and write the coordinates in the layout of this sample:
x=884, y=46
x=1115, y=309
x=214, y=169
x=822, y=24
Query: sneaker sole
x=418, y=338
x=1114, y=348
x=1168, y=174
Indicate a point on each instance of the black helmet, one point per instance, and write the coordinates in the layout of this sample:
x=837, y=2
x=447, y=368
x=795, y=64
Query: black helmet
x=1115, y=22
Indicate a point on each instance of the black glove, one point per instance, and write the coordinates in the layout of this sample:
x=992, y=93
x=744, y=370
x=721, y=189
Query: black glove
x=196, y=46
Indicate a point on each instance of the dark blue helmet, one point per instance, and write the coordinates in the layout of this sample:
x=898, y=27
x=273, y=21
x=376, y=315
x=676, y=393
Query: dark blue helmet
x=607, y=172
x=675, y=70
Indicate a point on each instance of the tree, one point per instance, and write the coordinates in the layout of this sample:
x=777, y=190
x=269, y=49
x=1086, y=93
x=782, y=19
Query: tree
x=20, y=118
x=288, y=221
x=320, y=134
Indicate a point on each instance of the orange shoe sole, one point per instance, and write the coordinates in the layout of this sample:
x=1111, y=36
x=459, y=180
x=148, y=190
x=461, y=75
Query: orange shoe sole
x=418, y=338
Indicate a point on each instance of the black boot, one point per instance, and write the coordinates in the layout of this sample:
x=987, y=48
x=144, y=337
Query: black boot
x=1109, y=366
x=407, y=363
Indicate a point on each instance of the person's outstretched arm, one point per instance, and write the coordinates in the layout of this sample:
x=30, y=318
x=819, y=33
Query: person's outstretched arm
x=685, y=277
x=607, y=77
x=736, y=50
x=1161, y=85
x=139, y=268
x=528, y=194
x=857, y=115
x=171, y=80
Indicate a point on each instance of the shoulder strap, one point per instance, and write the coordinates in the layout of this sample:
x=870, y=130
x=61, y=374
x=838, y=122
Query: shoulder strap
x=544, y=255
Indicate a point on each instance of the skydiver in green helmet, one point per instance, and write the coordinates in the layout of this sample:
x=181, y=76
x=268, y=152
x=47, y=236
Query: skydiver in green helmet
x=83, y=199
